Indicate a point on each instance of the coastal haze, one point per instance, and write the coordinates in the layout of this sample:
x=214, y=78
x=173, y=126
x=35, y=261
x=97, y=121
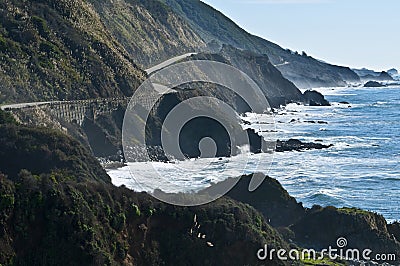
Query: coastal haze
x=353, y=33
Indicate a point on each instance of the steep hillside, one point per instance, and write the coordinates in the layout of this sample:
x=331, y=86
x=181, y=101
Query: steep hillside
x=56, y=50
x=84, y=49
x=149, y=30
x=45, y=151
x=60, y=50
x=68, y=213
x=277, y=89
x=215, y=28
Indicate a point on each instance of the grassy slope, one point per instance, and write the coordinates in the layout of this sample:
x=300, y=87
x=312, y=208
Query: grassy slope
x=147, y=29
x=60, y=50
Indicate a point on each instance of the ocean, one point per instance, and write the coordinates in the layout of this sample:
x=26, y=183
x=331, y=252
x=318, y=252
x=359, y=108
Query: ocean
x=361, y=170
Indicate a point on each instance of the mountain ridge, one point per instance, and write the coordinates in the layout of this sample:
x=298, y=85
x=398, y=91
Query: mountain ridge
x=302, y=70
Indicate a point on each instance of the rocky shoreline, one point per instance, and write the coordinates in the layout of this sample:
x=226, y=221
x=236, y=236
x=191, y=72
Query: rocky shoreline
x=156, y=153
x=70, y=208
x=318, y=227
x=297, y=145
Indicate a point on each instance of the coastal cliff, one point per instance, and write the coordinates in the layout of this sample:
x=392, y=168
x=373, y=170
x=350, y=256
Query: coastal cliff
x=69, y=213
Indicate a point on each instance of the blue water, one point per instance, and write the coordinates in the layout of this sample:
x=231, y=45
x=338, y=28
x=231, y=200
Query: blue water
x=361, y=170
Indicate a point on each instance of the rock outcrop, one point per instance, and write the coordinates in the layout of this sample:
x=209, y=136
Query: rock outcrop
x=373, y=84
x=297, y=145
x=46, y=151
x=271, y=199
x=314, y=98
x=278, y=90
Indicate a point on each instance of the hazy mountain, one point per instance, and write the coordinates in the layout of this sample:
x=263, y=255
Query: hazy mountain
x=216, y=29
x=367, y=74
x=392, y=72
x=364, y=71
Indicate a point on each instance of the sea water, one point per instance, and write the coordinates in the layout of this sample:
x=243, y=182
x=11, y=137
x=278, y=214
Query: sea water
x=361, y=170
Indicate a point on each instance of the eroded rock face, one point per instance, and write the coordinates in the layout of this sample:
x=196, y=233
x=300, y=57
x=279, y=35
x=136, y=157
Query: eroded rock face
x=278, y=90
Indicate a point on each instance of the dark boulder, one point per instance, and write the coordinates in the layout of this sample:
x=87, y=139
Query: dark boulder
x=314, y=98
x=297, y=145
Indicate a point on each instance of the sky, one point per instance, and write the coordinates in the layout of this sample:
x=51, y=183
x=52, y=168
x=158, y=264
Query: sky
x=354, y=33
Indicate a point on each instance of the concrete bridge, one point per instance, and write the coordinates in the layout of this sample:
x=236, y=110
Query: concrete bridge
x=75, y=111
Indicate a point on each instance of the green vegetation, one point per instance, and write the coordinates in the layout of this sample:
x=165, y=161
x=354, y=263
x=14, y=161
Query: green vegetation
x=58, y=49
x=148, y=29
x=6, y=118
x=47, y=219
x=41, y=25
x=53, y=50
x=42, y=150
x=353, y=211
x=325, y=261
x=58, y=207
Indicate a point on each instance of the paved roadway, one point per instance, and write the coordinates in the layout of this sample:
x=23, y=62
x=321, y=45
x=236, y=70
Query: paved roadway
x=149, y=71
x=168, y=63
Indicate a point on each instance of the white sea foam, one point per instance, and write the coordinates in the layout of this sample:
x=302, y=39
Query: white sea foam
x=362, y=169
